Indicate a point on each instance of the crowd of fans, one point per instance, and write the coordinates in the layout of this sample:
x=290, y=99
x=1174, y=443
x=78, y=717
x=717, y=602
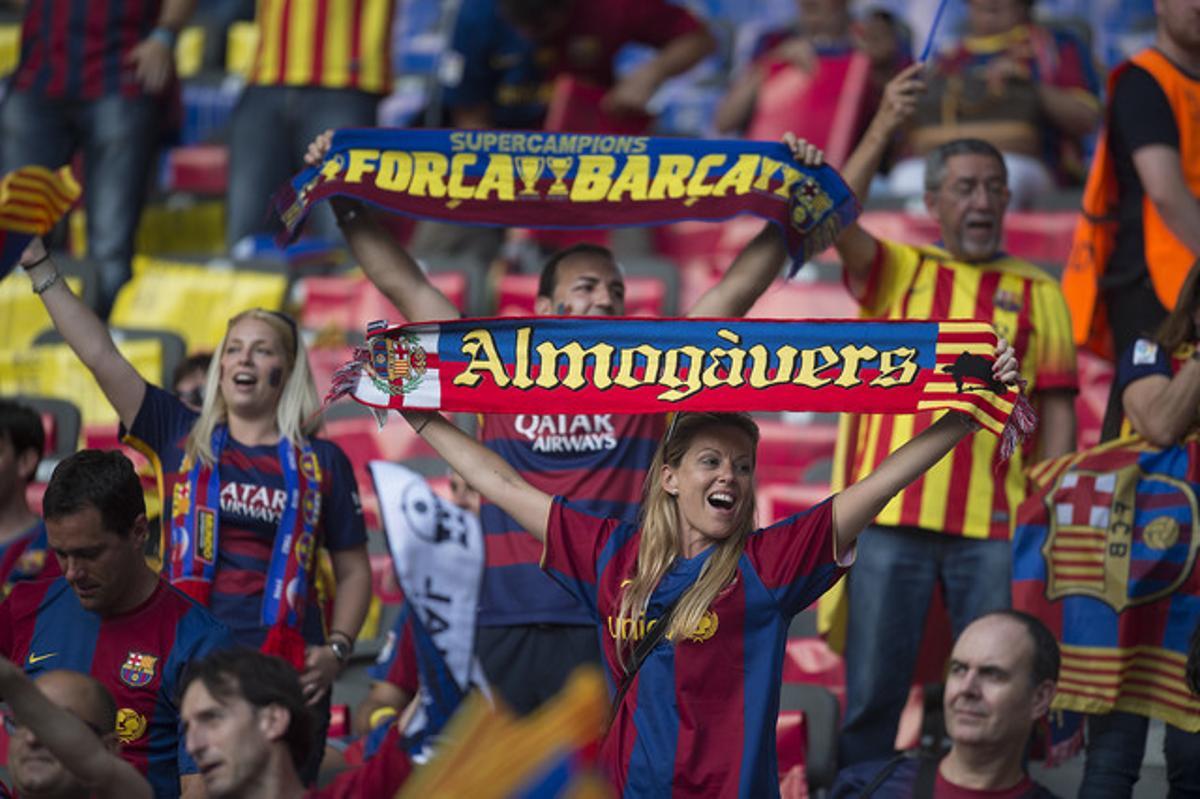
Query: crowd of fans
x=135, y=662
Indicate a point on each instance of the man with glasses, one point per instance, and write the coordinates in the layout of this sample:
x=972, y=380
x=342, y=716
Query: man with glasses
x=951, y=527
x=110, y=616
x=62, y=740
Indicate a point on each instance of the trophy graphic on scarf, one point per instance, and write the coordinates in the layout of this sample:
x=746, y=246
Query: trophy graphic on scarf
x=529, y=169
x=560, y=165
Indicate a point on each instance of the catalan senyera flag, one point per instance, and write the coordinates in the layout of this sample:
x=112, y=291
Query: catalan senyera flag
x=635, y=365
x=32, y=200
x=574, y=181
x=1105, y=554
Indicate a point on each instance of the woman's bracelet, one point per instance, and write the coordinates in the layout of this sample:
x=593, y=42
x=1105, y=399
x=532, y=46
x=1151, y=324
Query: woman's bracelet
x=41, y=288
x=424, y=424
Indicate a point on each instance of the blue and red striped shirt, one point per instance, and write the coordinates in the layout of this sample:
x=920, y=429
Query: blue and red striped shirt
x=397, y=661
x=699, y=718
x=252, y=500
x=139, y=656
x=79, y=49
x=597, y=459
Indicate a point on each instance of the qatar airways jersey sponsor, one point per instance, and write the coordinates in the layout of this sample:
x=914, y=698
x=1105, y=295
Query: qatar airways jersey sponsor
x=567, y=432
x=256, y=501
x=597, y=459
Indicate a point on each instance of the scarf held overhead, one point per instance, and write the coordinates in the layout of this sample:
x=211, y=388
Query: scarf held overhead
x=592, y=365
x=568, y=180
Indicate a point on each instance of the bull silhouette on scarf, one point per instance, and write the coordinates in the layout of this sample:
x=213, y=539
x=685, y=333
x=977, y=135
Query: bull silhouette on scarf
x=969, y=366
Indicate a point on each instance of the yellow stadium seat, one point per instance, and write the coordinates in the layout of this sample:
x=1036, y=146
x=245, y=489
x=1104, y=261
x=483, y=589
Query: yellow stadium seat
x=10, y=48
x=188, y=228
x=54, y=371
x=189, y=51
x=22, y=315
x=192, y=300
x=241, y=47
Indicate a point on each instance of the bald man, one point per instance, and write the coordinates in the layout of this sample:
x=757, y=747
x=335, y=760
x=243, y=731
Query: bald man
x=63, y=739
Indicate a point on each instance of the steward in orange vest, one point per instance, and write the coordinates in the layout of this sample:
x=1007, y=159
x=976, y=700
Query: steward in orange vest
x=1166, y=258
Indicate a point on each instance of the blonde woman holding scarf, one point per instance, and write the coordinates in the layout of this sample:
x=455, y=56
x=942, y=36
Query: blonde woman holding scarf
x=249, y=494
x=697, y=716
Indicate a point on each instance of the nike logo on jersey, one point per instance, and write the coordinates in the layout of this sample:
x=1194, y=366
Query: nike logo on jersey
x=39, y=658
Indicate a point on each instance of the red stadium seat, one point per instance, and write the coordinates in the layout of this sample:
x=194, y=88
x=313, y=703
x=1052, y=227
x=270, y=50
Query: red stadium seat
x=349, y=303
x=198, y=169
x=826, y=106
x=781, y=500
x=798, y=300
x=787, y=451
x=722, y=240
x=515, y=294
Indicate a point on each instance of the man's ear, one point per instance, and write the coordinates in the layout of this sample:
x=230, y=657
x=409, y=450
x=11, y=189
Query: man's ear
x=1042, y=696
x=542, y=305
x=273, y=721
x=140, y=532
x=27, y=463
x=931, y=202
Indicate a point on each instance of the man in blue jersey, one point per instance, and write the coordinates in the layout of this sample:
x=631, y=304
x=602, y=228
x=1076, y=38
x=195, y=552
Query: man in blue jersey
x=532, y=633
x=62, y=738
x=110, y=616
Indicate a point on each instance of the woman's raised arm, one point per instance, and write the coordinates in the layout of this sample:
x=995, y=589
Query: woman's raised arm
x=85, y=334
x=487, y=472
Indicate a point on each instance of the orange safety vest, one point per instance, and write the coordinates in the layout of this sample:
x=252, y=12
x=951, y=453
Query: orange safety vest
x=1167, y=259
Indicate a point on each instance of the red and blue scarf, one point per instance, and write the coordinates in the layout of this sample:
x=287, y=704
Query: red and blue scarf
x=575, y=181
x=195, y=539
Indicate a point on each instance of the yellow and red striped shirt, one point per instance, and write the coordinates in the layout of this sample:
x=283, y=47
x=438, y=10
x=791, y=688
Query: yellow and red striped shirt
x=334, y=44
x=966, y=493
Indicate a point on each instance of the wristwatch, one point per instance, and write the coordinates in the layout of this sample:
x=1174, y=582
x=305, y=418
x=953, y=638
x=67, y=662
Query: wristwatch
x=341, y=650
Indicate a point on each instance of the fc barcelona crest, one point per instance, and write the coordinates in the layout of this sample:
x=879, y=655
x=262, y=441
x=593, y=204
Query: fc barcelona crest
x=1124, y=536
x=138, y=670
x=397, y=364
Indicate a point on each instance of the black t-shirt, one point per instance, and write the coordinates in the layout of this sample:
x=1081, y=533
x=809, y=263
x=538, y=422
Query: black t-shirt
x=1139, y=115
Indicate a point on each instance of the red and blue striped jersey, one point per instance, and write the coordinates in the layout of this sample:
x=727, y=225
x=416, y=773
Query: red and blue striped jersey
x=397, y=661
x=597, y=459
x=26, y=557
x=252, y=500
x=79, y=49
x=139, y=656
x=699, y=718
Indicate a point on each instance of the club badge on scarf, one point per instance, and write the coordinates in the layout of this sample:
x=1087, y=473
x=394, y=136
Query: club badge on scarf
x=588, y=365
x=437, y=553
x=1105, y=554
x=568, y=180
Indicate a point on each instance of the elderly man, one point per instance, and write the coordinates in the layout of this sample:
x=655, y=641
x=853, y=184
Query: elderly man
x=952, y=527
x=62, y=738
x=1003, y=672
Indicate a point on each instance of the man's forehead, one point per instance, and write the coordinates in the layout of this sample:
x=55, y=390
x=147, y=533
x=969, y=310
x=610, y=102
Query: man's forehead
x=593, y=265
x=973, y=165
x=995, y=641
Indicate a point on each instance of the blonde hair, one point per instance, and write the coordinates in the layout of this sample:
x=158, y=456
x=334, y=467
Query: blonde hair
x=660, y=537
x=295, y=414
